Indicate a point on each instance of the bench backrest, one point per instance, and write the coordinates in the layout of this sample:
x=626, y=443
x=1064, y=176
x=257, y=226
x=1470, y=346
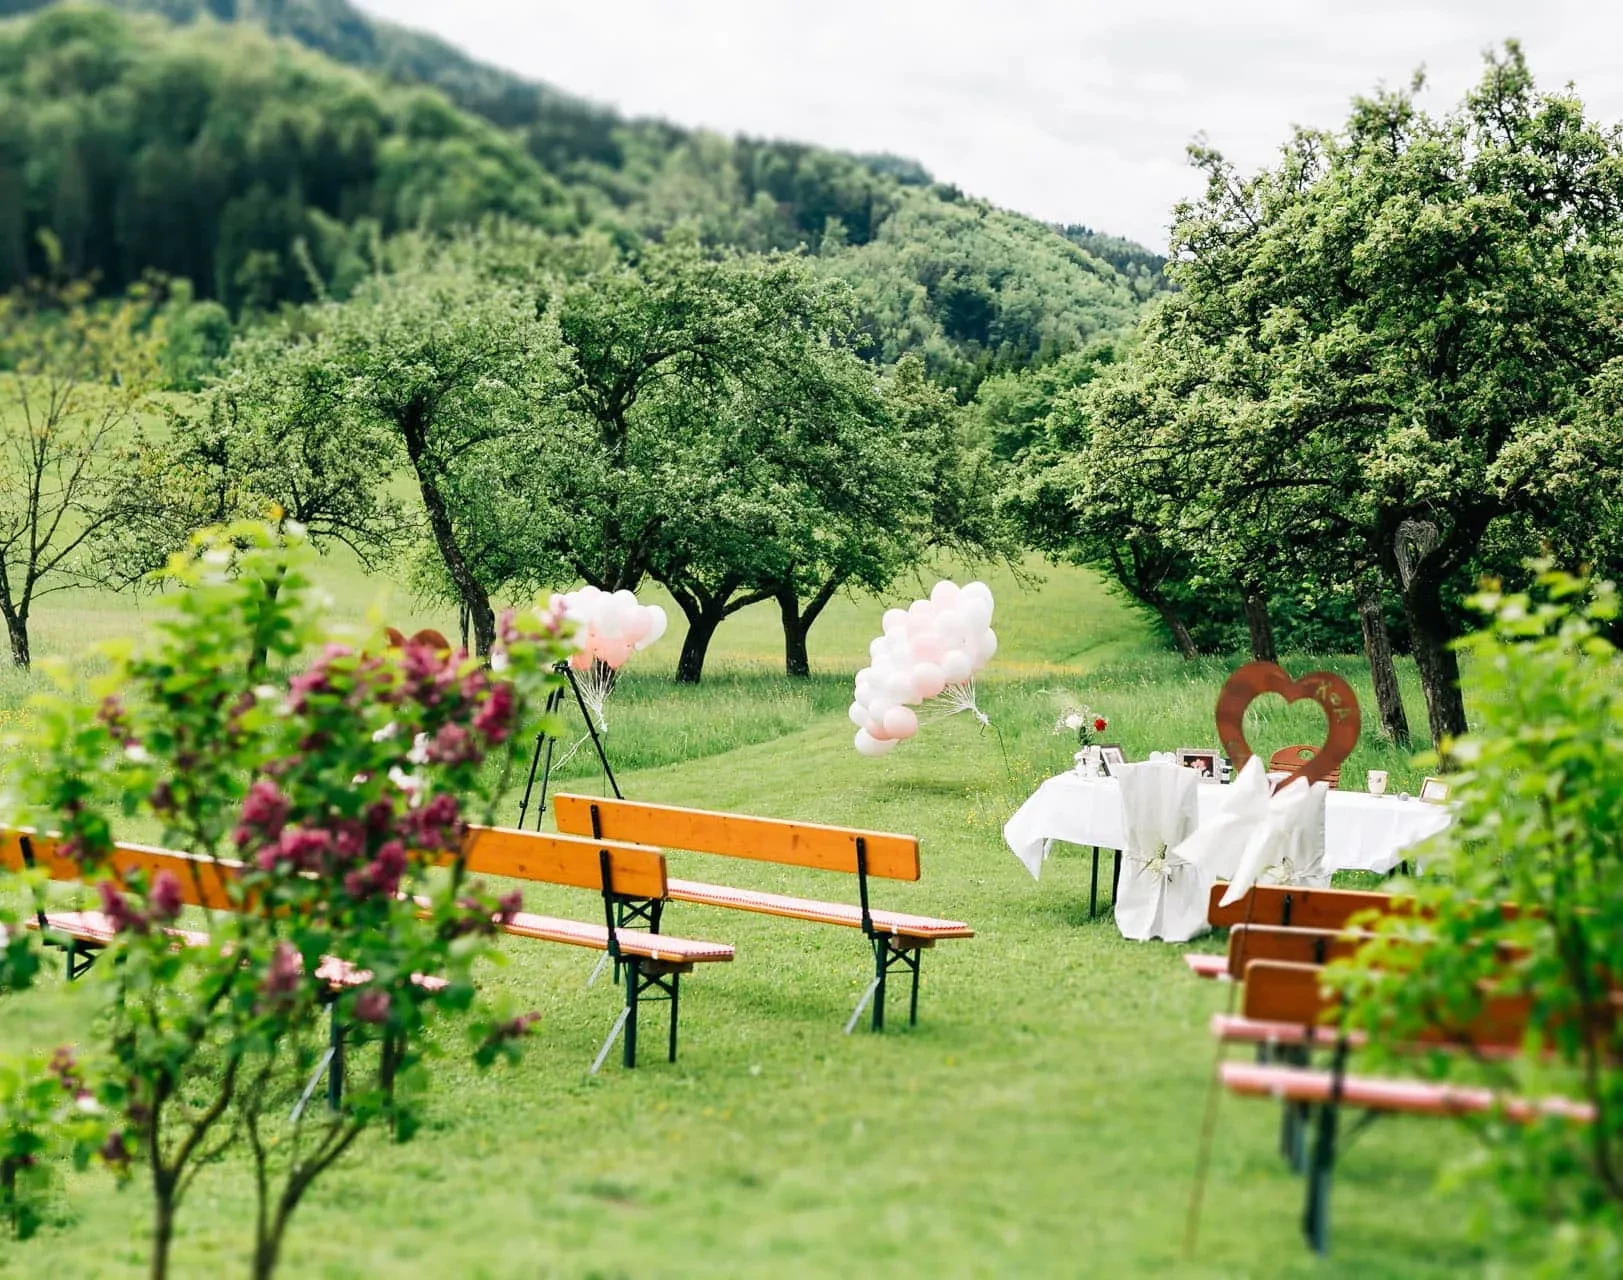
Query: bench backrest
x=1248, y=942
x=799, y=844
x=1279, y=991
x=1297, y=907
x=202, y=880
x=635, y=871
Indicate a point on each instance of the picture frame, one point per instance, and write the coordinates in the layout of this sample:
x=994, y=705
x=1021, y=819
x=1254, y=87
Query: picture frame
x=1434, y=791
x=1204, y=759
x=1111, y=755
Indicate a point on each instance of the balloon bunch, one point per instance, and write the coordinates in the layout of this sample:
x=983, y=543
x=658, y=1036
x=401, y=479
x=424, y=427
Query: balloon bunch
x=609, y=628
x=926, y=658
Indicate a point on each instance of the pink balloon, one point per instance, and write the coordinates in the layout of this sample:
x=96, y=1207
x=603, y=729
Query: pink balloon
x=901, y=723
x=929, y=648
x=614, y=653
x=929, y=679
x=875, y=728
x=580, y=660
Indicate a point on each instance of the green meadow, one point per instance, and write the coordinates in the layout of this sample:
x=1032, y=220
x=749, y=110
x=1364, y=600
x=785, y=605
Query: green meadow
x=1043, y=1118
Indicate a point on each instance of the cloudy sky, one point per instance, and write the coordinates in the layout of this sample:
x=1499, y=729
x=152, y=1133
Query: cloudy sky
x=1071, y=110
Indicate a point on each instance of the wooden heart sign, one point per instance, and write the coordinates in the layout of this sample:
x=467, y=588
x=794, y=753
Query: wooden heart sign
x=1326, y=688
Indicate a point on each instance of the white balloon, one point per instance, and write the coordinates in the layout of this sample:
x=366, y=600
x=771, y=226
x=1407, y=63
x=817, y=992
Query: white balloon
x=944, y=593
x=956, y=666
x=922, y=611
x=928, y=680
x=976, y=613
x=900, y=722
x=985, y=647
x=877, y=649
x=893, y=619
x=880, y=703
x=657, y=622
x=898, y=684
x=977, y=590
x=866, y=744
x=858, y=714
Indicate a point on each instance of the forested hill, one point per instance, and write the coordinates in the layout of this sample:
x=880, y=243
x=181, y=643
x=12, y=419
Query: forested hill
x=212, y=152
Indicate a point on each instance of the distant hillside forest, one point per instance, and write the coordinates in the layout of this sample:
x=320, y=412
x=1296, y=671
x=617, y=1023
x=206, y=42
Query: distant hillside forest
x=259, y=171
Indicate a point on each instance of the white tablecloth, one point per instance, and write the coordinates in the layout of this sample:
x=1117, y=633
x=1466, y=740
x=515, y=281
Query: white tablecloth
x=1361, y=832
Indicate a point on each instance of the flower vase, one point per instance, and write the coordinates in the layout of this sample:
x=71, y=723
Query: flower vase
x=1087, y=762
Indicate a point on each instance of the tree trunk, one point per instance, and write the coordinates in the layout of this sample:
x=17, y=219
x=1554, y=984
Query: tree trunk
x=474, y=597
x=1383, y=671
x=1439, y=666
x=796, y=664
x=17, y=629
x=1260, y=626
x=702, y=626
x=163, y=1232
x=1180, y=632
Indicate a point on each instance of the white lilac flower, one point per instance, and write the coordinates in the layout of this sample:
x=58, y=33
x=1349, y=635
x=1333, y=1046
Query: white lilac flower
x=388, y=731
x=419, y=750
x=135, y=753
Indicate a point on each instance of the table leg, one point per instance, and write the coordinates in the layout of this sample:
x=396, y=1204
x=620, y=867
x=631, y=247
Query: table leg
x=1115, y=880
x=1093, y=886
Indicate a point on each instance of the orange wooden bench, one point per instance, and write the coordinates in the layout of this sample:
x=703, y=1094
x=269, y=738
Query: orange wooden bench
x=1248, y=942
x=619, y=871
x=896, y=938
x=610, y=868
x=1284, y=1013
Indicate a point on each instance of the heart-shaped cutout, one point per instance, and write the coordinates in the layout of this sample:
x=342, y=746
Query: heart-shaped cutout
x=1333, y=694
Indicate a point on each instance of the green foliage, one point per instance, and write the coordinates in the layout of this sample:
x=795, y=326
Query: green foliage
x=73, y=381
x=49, y=1113
x=1540, y=825
x=1379, y=367
x=213, y=153
x=341, y=789
x=975, y=290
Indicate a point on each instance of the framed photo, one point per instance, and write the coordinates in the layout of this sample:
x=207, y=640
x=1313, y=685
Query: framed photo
x=1110, y=755
x=1203, y=760
x=1435, y=790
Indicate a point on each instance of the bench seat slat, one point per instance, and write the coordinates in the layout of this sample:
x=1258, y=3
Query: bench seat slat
x=896, y=923
x=632, y=942
x=1203, y=964
x=1412, y=1097
x=95, y=929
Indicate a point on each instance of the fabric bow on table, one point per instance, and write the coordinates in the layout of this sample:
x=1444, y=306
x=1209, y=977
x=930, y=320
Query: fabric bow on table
x=1257, y=836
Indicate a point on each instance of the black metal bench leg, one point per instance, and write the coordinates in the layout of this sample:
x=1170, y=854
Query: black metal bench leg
x=913, y=1004
x=1321, y=1167
x=1093, y=886
x=676, y=989
x=881, y=970
x=633, y=996
x=335, y=1064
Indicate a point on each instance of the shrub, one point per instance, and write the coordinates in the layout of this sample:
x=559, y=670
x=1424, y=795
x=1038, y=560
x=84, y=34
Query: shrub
x=1540, y=824
x=333, y=801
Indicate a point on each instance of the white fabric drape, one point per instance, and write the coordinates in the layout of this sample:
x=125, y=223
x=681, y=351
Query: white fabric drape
x=1258, y=838
x=1160, y=895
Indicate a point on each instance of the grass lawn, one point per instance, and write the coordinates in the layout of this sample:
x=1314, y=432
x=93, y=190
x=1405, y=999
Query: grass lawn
x=1042, y=1119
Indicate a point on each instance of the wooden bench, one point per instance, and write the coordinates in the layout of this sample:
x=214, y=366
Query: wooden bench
x=896, y=938
x=652, y=963
x=621, y=872
x=1248, y=942
x=1284, y=1014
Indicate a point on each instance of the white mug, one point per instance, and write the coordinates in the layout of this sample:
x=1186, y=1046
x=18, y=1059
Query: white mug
x=1377, y=782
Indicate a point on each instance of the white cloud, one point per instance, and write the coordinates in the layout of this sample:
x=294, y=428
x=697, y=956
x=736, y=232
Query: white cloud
x=1070, y=110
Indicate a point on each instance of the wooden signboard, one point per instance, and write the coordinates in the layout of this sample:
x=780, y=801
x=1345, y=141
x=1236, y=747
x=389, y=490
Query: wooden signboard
x=1329, y=690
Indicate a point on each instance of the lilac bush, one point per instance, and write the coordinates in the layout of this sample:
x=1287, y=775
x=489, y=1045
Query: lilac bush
x=327, y=799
